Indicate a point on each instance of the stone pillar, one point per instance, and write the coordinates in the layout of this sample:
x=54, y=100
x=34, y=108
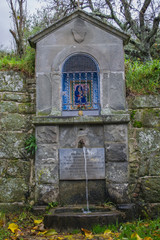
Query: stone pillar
x=116, y=145
x=46, y=164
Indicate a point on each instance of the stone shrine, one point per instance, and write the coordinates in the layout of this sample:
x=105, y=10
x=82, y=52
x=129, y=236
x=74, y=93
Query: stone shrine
x=80, y=86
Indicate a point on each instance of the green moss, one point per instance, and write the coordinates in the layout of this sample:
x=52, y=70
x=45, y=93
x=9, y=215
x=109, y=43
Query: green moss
x=132, y=114
x=137, y=124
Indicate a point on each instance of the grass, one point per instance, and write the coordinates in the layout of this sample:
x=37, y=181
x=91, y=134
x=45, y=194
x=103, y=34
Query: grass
x=9, y=61
x=140, y=229
x=142, y=78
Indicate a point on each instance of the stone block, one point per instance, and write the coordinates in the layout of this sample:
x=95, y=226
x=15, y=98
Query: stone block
x=46, y=174
x=148, y=140
x=10, y=107
x=74, y=192
x=46, y=154
x=46, y=193
x=68, y=136
x=44, y=93
x=15, y=122
x=117, y=91
x=16, y=97
x=15, y=168
x=12, y=145
x=25, y=108
x=12, y=81
x=154, y=164
x=118, y=193
x=150, y=189
x=47, y=134
x=151, y=118
x=146, y=101
x=115, y=133
x=116, y=152
x=117, y=172
x=91, y=135
x=12, y=190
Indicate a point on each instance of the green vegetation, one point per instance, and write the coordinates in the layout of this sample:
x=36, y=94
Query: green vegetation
x=23, y=224
x=26, y=64
x=30, y=145
x=142, y=78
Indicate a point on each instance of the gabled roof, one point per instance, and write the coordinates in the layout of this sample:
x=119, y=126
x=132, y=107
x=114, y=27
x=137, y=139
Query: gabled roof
x=86, y=17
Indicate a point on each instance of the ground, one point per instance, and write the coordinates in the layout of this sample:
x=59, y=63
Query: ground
x=26, y=226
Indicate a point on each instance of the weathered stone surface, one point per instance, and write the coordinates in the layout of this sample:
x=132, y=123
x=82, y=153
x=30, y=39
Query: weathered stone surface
x=47, y=134
x=148, y=140
x=15, y=122
x=46, y=154
x=46, y=193
x=117, y=91
x=74, y=192
x=151, y=118
x=116, y=152
x=115, y=133
x=15, y=168
x=12, y=144
x=44, y=93
x=26, y=108
x=12, y=81
x=154, y=168
x=12, y=190
x=117, y=172
x=146, y=101
x=16, y=97
x=70, y=136
x=46, y=174
x=118, y=193
x=10, y=107
x=150, y=189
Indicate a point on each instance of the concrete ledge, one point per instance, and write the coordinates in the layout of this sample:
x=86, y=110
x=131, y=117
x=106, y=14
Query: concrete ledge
x=115, y=118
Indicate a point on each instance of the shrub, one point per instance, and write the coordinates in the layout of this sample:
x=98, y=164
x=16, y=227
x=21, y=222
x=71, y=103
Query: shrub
x=142, y=78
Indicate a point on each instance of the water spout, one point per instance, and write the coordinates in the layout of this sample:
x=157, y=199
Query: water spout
x=86, y=176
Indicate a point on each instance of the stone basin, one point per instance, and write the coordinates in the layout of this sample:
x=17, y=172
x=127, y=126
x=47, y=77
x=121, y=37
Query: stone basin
x=70, y=218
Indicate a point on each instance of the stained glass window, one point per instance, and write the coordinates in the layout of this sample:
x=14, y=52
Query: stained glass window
x=80, y=85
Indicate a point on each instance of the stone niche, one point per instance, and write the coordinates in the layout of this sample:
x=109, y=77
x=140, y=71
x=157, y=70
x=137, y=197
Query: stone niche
x=81, y=106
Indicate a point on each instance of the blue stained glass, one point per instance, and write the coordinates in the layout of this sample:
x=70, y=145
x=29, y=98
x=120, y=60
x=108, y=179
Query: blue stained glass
x=80, y=84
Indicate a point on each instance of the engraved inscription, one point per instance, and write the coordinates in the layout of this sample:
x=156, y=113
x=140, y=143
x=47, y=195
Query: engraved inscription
x=72, y=163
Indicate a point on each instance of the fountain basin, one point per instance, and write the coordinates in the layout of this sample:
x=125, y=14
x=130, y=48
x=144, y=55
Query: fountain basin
x=70, y=218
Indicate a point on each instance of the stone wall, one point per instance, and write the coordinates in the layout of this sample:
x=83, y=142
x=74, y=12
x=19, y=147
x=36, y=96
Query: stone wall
x=144, y=150
x=17, y=105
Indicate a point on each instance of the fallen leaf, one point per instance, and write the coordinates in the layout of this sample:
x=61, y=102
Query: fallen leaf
x=38, y=221
x=13, y=227
x=135, y=235
x=107, y=232
x=87, y=233
x=147, y=238
x=50, y=232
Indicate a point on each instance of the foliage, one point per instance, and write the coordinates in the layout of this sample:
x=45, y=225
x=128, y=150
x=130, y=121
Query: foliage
x=51, y=205
x=30, y=145
x=98, y=229
x=9, y=61
x=142, y=78
x=139, y=18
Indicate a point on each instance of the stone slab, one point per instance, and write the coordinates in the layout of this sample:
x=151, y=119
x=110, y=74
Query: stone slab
x=72, y=163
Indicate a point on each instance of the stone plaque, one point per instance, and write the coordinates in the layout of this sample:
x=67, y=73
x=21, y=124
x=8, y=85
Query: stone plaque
x=72, y=163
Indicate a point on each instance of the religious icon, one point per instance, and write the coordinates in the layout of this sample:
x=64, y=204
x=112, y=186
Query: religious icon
x=81, y=95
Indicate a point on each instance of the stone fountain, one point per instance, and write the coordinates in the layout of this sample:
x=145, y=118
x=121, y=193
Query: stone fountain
x=81, y=104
